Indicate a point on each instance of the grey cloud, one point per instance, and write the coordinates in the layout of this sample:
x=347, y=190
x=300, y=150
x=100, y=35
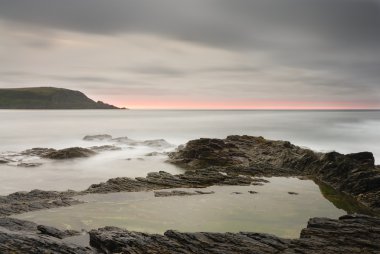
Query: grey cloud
x=238, y=23
x=158, y=70
x=338, y=38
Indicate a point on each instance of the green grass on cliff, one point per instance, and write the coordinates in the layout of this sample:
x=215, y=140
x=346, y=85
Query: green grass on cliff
x=47, y=98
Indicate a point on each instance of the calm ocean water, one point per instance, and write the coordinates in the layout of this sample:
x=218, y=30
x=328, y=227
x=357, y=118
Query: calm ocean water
x=342, y=131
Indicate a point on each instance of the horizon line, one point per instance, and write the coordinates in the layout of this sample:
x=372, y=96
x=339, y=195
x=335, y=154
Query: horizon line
x=255, y=109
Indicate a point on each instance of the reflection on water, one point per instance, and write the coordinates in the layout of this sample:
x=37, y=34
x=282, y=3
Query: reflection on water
x=271, y=210
x=343, y=201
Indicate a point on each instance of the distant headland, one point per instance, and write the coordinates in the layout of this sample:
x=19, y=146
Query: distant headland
x=48, y=98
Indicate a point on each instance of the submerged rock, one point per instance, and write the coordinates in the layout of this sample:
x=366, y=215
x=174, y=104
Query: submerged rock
x=158, y=143
x=29, y=164
x=69, y=153
x=105, y=148
x=349, y=234
x=180, y=193
x=292, y=193
x=101, y=137
x=354, y=174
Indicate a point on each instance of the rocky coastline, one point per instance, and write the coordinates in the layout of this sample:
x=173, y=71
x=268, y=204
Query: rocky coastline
x=236, y=160
x=355, y=174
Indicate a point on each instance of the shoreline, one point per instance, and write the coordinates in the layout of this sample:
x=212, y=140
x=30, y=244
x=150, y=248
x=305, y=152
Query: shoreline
x=236, y=160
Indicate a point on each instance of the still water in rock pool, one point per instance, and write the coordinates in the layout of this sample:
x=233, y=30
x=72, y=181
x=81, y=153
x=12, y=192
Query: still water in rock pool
x=230, y=209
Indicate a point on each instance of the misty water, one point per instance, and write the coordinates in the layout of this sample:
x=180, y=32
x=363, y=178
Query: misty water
x=272, y=210
x=342, y=131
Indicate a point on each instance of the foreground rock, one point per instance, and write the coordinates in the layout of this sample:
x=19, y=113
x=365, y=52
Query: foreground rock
x=18, y=236
x=21, y=202
x=69, y=153
x=354, y=174
x=349, y=234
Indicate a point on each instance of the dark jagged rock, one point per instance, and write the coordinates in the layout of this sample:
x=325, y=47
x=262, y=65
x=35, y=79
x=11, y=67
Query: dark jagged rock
x=32, y=243
x=349, y=234
x=13, y=224
x=354, y=174
x=69, y=153
x=19, y=236
x=38, y=151
x=20, y=202
x=164, y=180
x=180, y=193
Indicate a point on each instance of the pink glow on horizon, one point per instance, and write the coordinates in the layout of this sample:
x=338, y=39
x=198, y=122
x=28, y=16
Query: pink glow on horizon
x=243, y=104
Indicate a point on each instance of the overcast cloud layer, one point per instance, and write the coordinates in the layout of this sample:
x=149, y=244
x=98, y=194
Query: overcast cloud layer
x=197, y=53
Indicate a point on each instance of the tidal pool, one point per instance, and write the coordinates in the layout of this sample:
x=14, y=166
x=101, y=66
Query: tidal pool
x=271, y=210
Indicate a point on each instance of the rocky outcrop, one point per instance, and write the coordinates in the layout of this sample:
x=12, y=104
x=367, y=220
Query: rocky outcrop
x=69, y=153
x=164, y=180
x=354, y=174
x=349, y=234
x=21, y=202
x=18, y=236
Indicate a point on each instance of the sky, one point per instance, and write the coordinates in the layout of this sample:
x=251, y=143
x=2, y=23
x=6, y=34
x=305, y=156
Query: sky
x=197, y=54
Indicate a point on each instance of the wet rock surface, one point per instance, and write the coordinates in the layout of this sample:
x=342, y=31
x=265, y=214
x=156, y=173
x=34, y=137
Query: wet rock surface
x=354, y=174
x=349, y=234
